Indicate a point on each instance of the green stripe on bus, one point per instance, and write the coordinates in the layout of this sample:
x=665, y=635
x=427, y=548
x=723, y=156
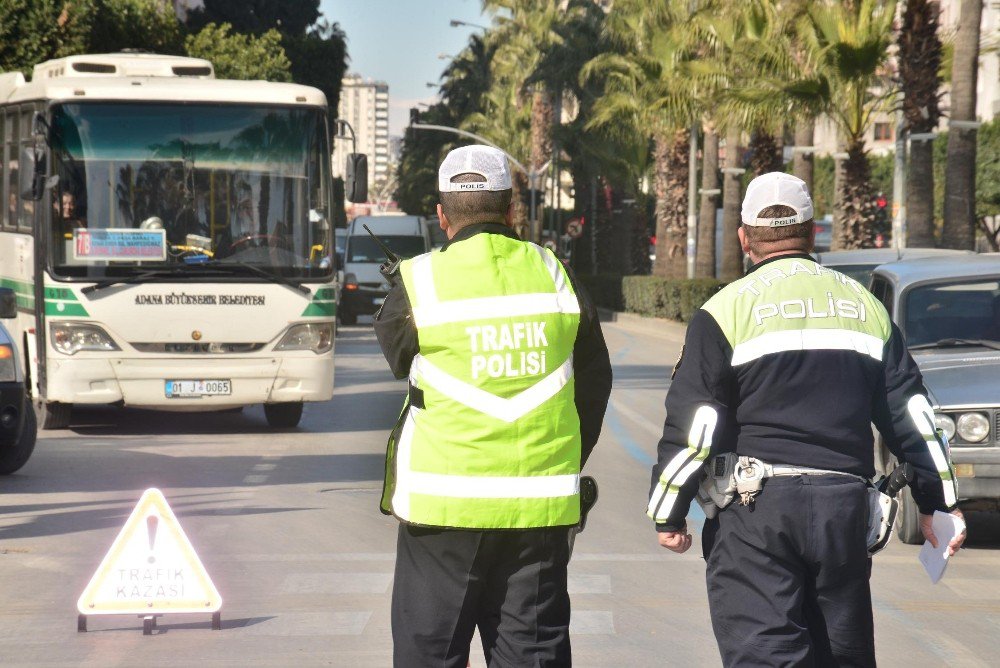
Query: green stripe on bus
x=64, y=308
x=19, y=287
x=325, y=294
x=321, y=309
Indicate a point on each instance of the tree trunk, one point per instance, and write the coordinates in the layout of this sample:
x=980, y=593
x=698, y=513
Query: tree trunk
x=671, y=164
x=857, y=200
x=764, y=154
x=920, y=195
x=732, y=253
x=837, y=235
x=519, y=184
x=960, y=169
x=541, y=151
x=705, y=257
x=802, y=163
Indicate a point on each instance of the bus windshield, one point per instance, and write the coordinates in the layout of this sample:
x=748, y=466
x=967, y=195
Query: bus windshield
x=143, y=185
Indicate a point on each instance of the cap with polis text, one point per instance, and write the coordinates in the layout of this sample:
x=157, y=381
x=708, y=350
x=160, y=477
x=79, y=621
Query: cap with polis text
x=772, y=189
x=486, y=161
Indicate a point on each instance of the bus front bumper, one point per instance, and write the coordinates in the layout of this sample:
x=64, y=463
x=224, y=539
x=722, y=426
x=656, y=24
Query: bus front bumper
x=142, y=382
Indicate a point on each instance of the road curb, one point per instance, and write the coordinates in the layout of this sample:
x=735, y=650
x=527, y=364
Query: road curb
x=660, y=327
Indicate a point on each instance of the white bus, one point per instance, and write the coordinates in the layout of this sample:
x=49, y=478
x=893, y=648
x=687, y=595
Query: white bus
x=168, y=237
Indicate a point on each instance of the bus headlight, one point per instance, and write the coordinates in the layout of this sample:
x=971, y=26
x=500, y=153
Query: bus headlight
x=315, y=337
x=945, y=424
x=973, y=427
x=71, y=337
x=7, y=370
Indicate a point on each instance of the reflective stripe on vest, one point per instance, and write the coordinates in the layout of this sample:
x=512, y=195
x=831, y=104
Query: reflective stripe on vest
x=497, y=445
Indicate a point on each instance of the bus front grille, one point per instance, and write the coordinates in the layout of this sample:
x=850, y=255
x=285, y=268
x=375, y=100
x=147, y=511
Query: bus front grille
x=198, y=348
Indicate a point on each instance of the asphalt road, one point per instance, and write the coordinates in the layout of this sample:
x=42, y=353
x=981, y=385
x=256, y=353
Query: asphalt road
x=287, y=526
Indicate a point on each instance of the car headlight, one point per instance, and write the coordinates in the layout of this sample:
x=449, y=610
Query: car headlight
x=973, y=427
x=72, y=337
x=7, y=370
x=312, y=336
x=945, y=424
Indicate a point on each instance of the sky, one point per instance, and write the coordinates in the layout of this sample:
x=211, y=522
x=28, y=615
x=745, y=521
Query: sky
x=398, y=41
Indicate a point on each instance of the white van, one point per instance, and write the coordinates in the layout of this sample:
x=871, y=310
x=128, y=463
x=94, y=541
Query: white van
x=364, y=288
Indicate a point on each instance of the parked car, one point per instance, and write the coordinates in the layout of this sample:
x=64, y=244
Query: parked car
x=859, y=264
x=364, y=289
x=437, y=235
x=948, y=309
x=824, y=233
x=18, y=427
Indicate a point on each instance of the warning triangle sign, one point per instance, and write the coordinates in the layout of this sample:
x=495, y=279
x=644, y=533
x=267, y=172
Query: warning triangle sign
x=151, y=567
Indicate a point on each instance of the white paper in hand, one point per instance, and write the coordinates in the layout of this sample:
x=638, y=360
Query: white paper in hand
x=946, y=526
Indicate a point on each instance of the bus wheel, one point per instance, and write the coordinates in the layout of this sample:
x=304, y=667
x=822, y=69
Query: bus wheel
x=53, y=414
x=15, y=455
x=284, y=415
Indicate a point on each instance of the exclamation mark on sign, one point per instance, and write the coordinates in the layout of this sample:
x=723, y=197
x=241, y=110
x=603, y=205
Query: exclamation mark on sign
x=151, y=523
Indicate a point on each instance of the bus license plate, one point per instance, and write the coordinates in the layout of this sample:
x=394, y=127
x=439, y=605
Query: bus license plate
x=185, y=389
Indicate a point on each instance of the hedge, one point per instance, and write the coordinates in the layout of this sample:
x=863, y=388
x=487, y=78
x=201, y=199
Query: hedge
x=674, y=299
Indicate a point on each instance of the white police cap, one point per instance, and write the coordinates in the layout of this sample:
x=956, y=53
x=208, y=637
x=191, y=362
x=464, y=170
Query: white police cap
x=772, y=189
x=488, y=162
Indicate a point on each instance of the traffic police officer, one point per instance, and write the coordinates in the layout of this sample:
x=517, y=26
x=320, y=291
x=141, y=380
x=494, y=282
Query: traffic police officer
x=509, y=378
x=790, y=365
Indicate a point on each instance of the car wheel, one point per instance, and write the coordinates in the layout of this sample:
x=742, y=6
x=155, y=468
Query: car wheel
x=908, y=519
x=283, y=415
x=348, y=318
x=16, y=455
x=53, y=414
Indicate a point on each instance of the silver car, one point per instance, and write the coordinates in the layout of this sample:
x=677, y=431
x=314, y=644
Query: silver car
x=948, y=310
x=859, y=264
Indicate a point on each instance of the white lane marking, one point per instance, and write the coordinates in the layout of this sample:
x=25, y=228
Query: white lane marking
x=254, y=479
x=589, y=584
x=337, y=583
x=592, y=622
x=647, y=425
x=306, y=624
x=265, y=467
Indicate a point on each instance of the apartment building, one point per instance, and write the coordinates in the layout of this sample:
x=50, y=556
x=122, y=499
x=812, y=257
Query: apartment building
x=365, y=105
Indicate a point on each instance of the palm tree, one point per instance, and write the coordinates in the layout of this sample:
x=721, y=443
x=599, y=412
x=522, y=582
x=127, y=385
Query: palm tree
x=919, y=65
x=646, y=90
x=845, y=45
x=960, y=171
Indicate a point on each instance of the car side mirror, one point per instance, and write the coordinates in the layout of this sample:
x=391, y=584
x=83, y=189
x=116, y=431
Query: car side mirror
x=356, y=178
x=8, y=303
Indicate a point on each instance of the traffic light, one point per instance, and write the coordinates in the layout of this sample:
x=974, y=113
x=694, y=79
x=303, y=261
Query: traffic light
x=881, y=213
x=414, y=115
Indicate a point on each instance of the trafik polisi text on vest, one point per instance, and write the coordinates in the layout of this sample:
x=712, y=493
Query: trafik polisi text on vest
x=514, y=347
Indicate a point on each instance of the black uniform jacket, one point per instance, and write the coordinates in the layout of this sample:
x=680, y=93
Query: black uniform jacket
x=811, y=408
x=397, y=335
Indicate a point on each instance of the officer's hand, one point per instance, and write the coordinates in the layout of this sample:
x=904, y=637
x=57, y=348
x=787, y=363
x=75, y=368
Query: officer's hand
x=675, y=541
x=926, y=527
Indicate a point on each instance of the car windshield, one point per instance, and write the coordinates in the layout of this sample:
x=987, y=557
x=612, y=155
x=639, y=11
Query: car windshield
x=362, y=248
x=968, y=311
x=145, y=185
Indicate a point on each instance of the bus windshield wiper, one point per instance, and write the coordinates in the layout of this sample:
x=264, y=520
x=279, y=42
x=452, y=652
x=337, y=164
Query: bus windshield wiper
x=135, y=278
x=954, y=343
x=257, y=271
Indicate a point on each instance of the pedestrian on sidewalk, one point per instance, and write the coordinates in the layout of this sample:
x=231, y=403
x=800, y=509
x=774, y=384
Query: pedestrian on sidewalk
x=509, y=379
x=787, y=368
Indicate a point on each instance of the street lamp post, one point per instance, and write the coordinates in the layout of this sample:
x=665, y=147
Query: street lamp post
x=454, y=23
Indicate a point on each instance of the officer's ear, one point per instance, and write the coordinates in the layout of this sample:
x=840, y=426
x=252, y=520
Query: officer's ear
x=443, y=222
x=744, y=244
x=508, y=218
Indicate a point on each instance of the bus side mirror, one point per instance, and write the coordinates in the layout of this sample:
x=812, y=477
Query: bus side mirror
x=356, y=178
x=32, y=175
x=8, y=303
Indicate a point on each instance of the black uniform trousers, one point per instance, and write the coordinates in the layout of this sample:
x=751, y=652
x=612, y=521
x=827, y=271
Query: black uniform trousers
x=788, y=576
x=511, y=584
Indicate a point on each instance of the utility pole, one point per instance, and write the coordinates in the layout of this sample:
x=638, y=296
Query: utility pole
x=899, y=185
x=692, y=226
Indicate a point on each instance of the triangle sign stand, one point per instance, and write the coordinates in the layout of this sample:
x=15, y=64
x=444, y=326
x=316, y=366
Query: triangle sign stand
x=150, y=570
